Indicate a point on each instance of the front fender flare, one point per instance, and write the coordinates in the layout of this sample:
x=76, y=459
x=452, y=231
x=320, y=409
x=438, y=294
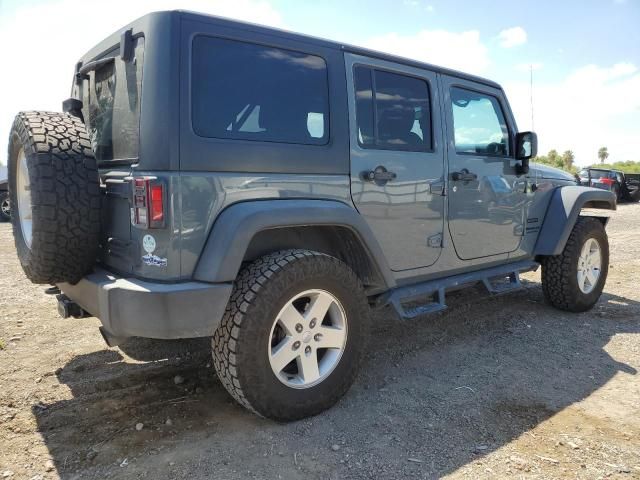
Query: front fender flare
x=562, y=214
x=235, y=227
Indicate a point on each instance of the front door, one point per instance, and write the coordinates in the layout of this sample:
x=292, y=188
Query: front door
x=486, y=198
x=397, y=161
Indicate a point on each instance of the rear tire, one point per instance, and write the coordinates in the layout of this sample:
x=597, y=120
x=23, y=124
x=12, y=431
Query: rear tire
x=563, y=283
x=53, y=178
x=245, y=348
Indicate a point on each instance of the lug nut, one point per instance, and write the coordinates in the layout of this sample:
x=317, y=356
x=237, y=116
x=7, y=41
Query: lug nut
x=296, y=345
x=313, y=323
x=307, y=350
x=317, y=337
x=298, y=327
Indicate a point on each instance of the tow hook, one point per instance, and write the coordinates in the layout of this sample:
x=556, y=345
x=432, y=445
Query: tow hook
x=68, y=308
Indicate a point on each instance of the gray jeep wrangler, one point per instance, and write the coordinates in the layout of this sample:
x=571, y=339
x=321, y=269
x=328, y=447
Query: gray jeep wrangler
x=211, y=178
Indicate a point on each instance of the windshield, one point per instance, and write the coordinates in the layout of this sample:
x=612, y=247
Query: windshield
x=112, y=107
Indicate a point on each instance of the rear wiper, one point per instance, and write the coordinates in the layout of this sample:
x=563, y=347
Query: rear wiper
x=82, y=74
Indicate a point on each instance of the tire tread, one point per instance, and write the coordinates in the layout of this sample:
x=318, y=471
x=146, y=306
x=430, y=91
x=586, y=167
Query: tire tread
x=65, y=193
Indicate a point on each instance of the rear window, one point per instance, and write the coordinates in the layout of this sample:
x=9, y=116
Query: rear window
x=246, y=91
x=595, y=173
x=113, y=107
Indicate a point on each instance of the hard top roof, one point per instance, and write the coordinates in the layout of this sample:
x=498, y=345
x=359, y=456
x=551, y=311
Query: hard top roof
x=226, y=22
x=333, y=44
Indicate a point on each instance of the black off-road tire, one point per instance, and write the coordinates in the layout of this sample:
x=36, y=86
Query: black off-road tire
x=65, y=196
x=239, y=345
x=559, y=272
x=5, y=215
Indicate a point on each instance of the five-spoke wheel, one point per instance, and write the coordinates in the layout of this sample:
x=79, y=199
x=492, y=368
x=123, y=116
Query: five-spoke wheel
x=589, y=265
x=23, y=187
x=307, y=338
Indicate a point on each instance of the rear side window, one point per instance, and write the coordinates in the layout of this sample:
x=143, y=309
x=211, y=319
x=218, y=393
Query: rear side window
x=392, y=110
x=246, y=91
x=479, y=124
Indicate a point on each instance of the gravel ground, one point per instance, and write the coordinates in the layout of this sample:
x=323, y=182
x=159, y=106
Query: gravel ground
x=492, y=388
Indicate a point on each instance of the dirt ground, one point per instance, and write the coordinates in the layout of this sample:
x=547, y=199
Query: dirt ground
x=503, y=387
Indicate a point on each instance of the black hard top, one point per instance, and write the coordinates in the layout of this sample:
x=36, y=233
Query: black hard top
x=602, y=169
x=225, y=22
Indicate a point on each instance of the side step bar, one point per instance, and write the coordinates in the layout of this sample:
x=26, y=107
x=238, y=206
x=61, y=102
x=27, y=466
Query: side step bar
x=497, y=280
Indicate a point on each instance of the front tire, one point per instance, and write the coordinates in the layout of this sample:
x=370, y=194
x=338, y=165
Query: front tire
x=293, y=335
x=574, y=280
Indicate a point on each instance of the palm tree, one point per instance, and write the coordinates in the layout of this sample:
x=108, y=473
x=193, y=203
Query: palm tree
x=567, y=160
x=603, y=154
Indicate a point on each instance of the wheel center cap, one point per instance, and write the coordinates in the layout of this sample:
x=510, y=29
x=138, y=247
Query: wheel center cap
x=306, y=337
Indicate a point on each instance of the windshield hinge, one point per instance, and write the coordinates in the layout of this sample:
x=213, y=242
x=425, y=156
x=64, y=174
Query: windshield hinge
x=126, y=45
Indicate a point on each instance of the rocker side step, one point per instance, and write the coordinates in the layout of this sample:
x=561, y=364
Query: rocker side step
x=497, y=280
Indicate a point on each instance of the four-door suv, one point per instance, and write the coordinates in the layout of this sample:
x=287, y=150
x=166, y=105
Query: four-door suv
x=267, y=189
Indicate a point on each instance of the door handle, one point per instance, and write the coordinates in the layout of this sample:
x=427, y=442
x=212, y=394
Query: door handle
x=380, y=175
x=464, y=175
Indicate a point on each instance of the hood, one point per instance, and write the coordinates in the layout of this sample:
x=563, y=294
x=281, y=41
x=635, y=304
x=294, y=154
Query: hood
x=545, y=171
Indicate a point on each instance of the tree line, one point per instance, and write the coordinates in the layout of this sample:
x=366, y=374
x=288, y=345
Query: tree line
x=566, y=161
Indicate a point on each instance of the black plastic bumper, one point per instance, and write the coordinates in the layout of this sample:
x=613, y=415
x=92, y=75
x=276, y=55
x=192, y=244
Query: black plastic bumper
x=129, y=307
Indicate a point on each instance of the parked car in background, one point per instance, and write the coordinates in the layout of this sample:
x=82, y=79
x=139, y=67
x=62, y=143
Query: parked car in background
x=626, y=186
x=5, y=210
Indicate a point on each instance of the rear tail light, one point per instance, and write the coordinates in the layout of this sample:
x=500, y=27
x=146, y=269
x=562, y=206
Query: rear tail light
x=148, y=203
x=607, y=181
x=156, y=204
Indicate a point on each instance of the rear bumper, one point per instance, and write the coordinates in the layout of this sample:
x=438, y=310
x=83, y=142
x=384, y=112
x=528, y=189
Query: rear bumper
x=129, y=307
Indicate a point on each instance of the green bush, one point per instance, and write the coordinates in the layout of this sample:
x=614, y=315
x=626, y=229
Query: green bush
x=627, y=167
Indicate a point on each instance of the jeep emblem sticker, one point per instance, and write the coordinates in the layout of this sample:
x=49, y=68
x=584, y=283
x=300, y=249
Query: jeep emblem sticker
x=149, y=245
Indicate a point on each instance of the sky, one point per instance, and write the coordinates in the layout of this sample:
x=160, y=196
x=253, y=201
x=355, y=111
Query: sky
x=585, y=55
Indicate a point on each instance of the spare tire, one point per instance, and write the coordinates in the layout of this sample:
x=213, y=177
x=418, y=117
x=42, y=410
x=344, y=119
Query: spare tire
x=54, y=191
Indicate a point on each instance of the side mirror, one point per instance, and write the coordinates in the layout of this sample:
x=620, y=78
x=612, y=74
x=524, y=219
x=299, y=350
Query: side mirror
x=526, y=148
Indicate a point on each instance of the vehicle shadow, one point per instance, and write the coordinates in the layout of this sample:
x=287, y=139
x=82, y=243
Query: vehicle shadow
x=444, y=390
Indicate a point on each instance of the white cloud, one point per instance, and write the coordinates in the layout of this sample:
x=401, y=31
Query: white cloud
x=462, y=51
x=38, y=59
x=512, y=37
x=419, y=3
x=594, y=106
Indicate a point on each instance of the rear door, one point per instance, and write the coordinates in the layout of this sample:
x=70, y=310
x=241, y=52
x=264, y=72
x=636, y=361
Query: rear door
x=487, y=199
x=397, y=161
x=111, y=96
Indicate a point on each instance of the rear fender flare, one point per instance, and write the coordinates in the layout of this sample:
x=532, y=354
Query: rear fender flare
x=236, y=226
